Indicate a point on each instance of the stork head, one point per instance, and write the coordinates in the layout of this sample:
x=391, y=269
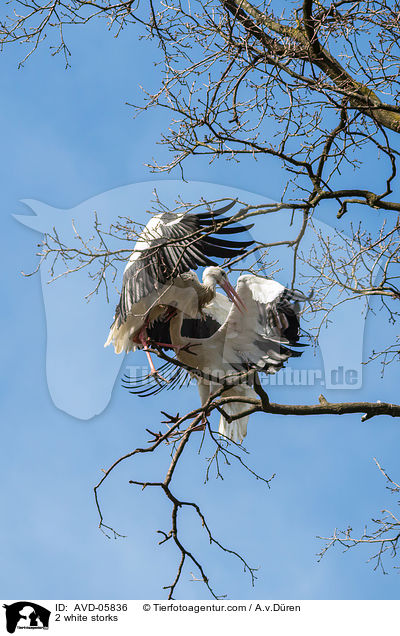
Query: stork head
x=213, y=276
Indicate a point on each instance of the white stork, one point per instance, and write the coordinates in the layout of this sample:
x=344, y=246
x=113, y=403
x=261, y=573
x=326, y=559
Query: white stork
x=158, y=274
x=258, y=338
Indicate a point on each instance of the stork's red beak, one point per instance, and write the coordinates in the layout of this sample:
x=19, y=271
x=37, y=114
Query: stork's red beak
x=233, y=295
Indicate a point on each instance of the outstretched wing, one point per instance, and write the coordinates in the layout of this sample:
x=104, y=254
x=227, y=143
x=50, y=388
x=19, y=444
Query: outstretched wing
x=172, y=244
x=145, y=385
x=262, y=336
x=278, y=307
x=200, y=327
x=218, y=309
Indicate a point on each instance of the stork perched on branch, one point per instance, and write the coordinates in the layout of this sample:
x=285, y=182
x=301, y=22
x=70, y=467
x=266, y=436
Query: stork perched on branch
x=258, y=331
x=157, y=275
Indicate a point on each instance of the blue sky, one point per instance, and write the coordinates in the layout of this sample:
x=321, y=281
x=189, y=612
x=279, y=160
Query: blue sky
x=68, y=136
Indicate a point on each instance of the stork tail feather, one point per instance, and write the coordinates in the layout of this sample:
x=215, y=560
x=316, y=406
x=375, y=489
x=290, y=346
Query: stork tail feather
x=120, y=337
x=236, y=430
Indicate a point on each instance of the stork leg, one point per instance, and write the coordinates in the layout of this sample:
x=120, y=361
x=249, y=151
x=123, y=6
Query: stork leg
x=143, y=341
x=178, y=348
x=167, y=345
x=204, y=390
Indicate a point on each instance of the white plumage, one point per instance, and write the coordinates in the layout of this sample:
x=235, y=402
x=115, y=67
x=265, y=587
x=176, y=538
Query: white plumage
x=125, y=335
x=158, y=274
x=255, y=336
x=163, y=303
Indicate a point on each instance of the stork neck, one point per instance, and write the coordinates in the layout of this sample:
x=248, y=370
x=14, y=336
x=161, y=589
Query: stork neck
x=207, y=291
x=209, y=282
x=175, y=328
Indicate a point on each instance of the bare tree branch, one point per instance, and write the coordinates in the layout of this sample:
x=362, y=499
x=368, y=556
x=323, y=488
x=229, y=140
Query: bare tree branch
x=384, y=537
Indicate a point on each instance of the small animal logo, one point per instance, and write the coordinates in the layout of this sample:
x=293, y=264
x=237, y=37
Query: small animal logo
x=25, y=614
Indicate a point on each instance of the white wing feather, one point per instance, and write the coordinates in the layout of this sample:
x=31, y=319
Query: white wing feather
x=218, y=308
x=243, y=336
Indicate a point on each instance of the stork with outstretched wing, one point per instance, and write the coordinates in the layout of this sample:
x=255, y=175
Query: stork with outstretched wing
x=158, y=274
x=260, y=331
